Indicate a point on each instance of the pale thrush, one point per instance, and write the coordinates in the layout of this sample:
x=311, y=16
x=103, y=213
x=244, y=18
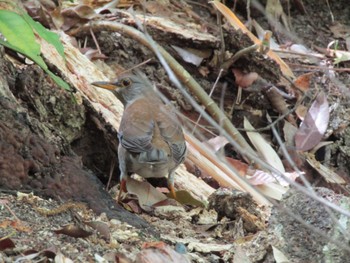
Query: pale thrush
x=151, y=140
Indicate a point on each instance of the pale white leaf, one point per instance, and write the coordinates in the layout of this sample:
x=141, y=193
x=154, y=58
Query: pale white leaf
x=264, y=148
x=279, y=256
x=261, y=177
x=216, y=143
x=299, y=49
x=60, y=258
x=100, y=259
x=341, y=56
x=273, y=190
x=188, y=56
x=27, y=257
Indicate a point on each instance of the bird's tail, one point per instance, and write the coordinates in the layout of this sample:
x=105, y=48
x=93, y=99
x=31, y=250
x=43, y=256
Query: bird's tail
x=153, y=156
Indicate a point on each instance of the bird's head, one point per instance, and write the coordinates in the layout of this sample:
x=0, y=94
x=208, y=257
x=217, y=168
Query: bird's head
x=128, y=87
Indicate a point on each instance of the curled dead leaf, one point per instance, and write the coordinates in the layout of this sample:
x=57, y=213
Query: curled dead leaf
x=314, y=125
x=73, y=231
x=244, y=80
x=6, y=243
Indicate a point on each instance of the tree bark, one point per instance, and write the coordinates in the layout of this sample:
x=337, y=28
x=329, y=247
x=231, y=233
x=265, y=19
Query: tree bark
x=38, y=123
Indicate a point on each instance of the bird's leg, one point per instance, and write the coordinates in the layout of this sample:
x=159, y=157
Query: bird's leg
x=122, y=188
x=123, y=171
x=171, y=183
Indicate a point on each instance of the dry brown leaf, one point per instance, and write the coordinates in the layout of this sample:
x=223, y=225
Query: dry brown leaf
x=73, y=231
x=303, y=81
x=244, y=80
x=147, y=195
x=6, y=243
x=314, y=125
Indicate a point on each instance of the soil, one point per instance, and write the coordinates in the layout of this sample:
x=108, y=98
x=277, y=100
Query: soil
x=62, y=151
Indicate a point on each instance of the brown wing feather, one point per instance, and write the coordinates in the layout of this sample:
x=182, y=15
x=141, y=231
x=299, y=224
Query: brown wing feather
x=171, y=131
x=136, y=127
x=145, y=128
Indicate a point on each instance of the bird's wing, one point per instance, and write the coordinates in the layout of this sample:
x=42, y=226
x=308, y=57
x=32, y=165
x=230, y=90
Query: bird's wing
x=171, y=131
x=136, y=127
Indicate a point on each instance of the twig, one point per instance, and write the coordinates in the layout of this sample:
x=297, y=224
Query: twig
x=137, y=66
x=210, y=93
x=110, y=174
x=95, y=40
x=281, y=117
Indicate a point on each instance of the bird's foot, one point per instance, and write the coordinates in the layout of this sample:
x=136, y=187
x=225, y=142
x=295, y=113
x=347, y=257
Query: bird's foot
x=122, y=189
x=172, y=191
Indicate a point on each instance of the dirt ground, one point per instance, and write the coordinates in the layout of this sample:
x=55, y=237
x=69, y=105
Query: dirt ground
x=38, y=228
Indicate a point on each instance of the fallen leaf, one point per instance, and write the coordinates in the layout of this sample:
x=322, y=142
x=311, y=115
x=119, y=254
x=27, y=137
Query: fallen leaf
x=216, y=143
x=264, y=148
x=133, y=206
x=303, y=81
x=60, y=258
x=15, y=224
x=208, y=248
x=6, y=243
x=341, y=56
x=261, y=177
x=279, y=256
x=145, y=192
x=244, y=80
x=185, y=198
x=301, y=112
x=241, y=167
x=188, y=55
x=73, y=231
x=76, y=15
x=314, y=125
x=272, y=190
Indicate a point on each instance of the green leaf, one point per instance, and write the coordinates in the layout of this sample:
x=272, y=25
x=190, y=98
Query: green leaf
x=37, y=59
x=59, y=81
x=49, y=36
x=20, y=38
x=19, y=34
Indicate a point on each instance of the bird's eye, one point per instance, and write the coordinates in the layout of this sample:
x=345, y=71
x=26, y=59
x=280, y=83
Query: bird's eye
x=126, y=83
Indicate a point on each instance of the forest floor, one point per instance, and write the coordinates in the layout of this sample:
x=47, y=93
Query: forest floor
x=39, y=229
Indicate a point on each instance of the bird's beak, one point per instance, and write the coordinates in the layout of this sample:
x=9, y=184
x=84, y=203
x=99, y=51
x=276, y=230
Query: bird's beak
x=104, y=85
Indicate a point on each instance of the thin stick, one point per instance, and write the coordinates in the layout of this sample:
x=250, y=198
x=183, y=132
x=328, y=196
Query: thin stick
x=210, y=93
x=137, y=66
x=95, y=40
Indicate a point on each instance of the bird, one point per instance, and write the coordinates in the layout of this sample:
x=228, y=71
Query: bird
x=151, y=139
